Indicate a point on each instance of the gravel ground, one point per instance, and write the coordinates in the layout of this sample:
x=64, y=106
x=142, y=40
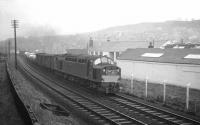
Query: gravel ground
x=33, y=98
x=8, y=112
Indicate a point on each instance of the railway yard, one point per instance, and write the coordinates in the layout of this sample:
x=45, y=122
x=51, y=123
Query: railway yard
x=99, y=62
x=83, y=105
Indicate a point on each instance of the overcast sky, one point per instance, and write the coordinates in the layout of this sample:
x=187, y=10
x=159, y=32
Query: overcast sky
x=76, y=16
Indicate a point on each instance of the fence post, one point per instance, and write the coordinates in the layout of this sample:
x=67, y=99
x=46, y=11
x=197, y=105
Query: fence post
x=132, y=83
x=164, y=91
x=187, y=96
x=146, y=86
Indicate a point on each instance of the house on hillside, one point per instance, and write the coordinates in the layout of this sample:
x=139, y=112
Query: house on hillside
x=176, y=66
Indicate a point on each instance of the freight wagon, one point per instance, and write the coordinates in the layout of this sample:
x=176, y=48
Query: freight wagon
x=46, y=60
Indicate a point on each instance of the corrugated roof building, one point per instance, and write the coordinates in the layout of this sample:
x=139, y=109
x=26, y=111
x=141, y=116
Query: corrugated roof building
x=176, y=66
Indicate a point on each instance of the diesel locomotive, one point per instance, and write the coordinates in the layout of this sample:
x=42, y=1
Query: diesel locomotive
x=97, y=72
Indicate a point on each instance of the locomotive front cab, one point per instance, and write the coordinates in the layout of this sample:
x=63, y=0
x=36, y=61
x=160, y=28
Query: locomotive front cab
x=110, y=74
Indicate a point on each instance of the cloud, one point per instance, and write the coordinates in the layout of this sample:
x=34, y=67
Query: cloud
x=75, y=16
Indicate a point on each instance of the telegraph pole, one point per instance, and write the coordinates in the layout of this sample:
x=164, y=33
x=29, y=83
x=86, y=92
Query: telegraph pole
x=9, y=49
x=15, y=25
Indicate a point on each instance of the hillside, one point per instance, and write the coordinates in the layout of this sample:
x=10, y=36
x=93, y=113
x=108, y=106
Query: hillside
x=188, y=31
x=169, y=30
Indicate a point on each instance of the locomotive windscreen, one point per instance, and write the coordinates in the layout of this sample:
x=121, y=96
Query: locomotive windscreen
x=103, y=60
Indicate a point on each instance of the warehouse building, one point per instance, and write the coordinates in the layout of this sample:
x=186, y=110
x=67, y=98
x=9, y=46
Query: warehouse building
x=179, y=67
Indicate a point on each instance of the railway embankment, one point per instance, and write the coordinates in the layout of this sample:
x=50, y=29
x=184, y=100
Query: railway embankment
x=175, y=96
x=38, y=108
x=9, y=113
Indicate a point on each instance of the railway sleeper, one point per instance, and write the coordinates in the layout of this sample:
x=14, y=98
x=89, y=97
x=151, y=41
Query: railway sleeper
x=85, y=102
x=95, y=107
x=150, y=111
x=186, y=124
x=81, y=100
x=170, y=118
x=178, y=121
x=80, y=108
x=119, y=119
x=135, y=105
x=157, y=113
x=112, y=117
x=130, y=103
x=76, y=106
x=92, y=115
x=92, y=104
x=126, y=123
x=103, y=112
x=123, y=101
x=145, y=109
x=108, y=114
x=98, y=110
x=88, y=103
x=140, y=107
x=163, y=116
x=84, y=110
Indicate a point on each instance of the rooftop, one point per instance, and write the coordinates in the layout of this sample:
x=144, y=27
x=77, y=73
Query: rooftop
x=123, y=45
x=77, y=51
x=177, y=56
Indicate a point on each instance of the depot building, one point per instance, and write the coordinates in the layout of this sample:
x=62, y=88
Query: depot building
x=179, y=67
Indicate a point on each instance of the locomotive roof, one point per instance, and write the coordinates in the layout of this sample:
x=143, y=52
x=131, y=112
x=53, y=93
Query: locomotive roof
x=45, y=54
x=83, y=56
x=80, y=56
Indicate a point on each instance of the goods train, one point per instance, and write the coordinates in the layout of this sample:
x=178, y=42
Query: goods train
x=97, y=72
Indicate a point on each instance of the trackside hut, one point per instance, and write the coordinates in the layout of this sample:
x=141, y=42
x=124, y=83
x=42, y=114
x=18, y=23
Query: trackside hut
x=175, y=66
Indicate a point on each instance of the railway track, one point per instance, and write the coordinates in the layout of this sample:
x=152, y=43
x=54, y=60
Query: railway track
x=157, y=115
x=143, y=112
x=95, y=110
